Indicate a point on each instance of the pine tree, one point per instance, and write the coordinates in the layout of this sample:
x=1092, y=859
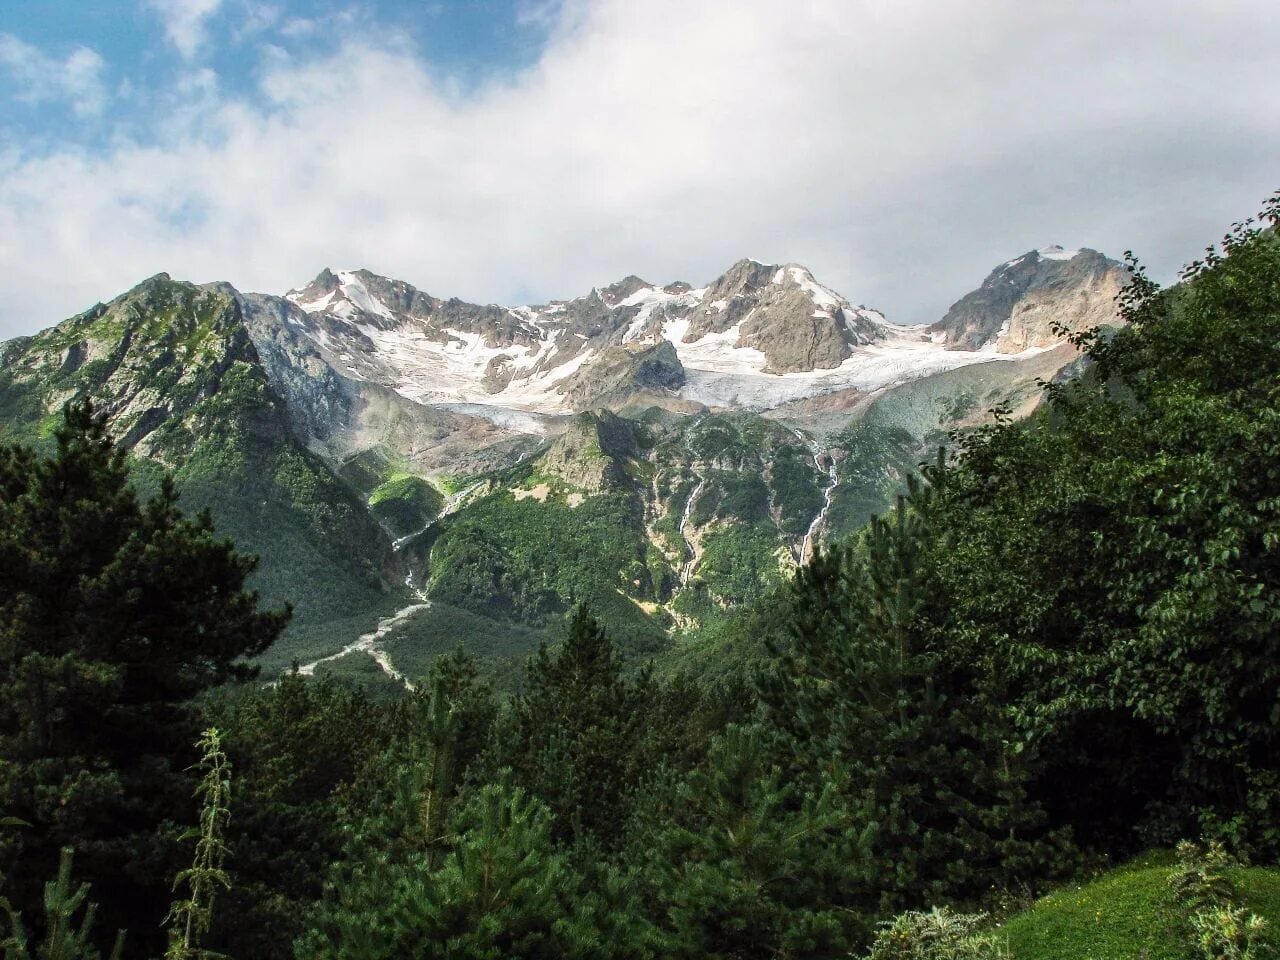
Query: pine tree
x=873, y=684
x=502, y=890
x=114, y=614
x=437, y=744
x=578, y=737
x=66, y=937
x=502, y=887
x=748, y=866
x=297, y=747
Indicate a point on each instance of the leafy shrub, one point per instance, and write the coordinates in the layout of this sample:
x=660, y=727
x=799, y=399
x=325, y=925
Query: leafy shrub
x=1231, y=933
x=939, y=934
x=1219, y=929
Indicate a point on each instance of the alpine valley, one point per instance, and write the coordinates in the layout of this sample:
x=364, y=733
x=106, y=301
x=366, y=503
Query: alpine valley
x=417, y=472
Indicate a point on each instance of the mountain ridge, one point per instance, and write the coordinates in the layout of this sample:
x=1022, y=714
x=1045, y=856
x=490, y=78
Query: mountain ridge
x=666, y=453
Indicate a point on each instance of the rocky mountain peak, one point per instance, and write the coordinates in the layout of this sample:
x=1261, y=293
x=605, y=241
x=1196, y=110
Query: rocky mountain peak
x=591, y=452
x=151, y=282
x=756, y=319
x=758, y=336
x=1021, y=300
x=781, y=311
x=152, y=358
x=326, y=282
x=628, y=286
x=745, y=275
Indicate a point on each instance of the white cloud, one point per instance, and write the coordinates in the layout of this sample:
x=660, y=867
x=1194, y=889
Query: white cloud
x=76, y=79
x=184, y=22
x=899, y=149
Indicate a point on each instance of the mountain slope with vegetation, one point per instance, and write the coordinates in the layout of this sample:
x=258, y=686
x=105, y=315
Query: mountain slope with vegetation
x=1058, y=649
x=174, y=369
x=383, y=450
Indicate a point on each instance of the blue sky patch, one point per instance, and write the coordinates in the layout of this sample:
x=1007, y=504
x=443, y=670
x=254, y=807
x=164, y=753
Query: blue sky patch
x=88, y=71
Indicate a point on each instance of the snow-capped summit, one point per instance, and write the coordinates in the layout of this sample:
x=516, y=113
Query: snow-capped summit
x=756, y=336
x=757, y=320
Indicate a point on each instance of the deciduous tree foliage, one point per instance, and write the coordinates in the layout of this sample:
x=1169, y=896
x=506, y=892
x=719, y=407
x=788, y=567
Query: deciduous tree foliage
x=1115, y=562
x=868, y=684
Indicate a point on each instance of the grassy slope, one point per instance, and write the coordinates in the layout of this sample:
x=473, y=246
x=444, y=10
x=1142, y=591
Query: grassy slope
x=403, y=503
x=1125, y=913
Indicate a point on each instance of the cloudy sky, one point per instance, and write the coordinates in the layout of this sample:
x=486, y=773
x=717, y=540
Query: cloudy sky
x=517, y=150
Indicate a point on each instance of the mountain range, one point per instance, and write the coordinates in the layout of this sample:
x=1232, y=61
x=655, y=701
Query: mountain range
x=417, y=472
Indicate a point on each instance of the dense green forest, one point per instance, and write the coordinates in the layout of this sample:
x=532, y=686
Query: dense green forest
x=1059, y=653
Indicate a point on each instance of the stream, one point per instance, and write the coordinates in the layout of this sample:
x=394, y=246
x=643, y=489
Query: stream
x=371, y=643
x=450, y=506
x=806, y=544
x=687, y=570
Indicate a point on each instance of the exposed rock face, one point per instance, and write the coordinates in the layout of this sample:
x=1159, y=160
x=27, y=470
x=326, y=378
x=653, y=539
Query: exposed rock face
x=591, y=452
x=626, y=374
x=797, y=323
x=762, y=414
x=176, y=370
x=615, y=293
x=1020, y=302
x=362, y=362
x=151, y=358
x=319, y=405
x=337, y=411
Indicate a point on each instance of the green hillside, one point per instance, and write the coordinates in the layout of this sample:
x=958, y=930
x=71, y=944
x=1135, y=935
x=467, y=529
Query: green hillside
x=1127, y=914
x=665, y=523
x=173, y=366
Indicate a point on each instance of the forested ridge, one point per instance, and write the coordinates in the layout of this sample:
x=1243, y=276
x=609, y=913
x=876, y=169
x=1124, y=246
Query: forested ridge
x=1058, y=652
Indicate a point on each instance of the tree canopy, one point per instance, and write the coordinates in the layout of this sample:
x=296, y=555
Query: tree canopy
x=114, y=614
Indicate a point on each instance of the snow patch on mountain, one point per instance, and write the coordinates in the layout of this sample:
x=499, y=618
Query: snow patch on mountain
x=904, y=356
x=821, y=296
x=1055, y=252
x=713, y=352
x=355, y=291
x=515, y=366
x=312, y=306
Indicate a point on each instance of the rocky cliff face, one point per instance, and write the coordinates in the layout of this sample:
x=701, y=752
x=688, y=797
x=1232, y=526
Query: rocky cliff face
x=339, y=411
x=592, y=452
x=781, y=311
x=157, y=359
x=755, y=324
x=626, y=375
x=1020, y=302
